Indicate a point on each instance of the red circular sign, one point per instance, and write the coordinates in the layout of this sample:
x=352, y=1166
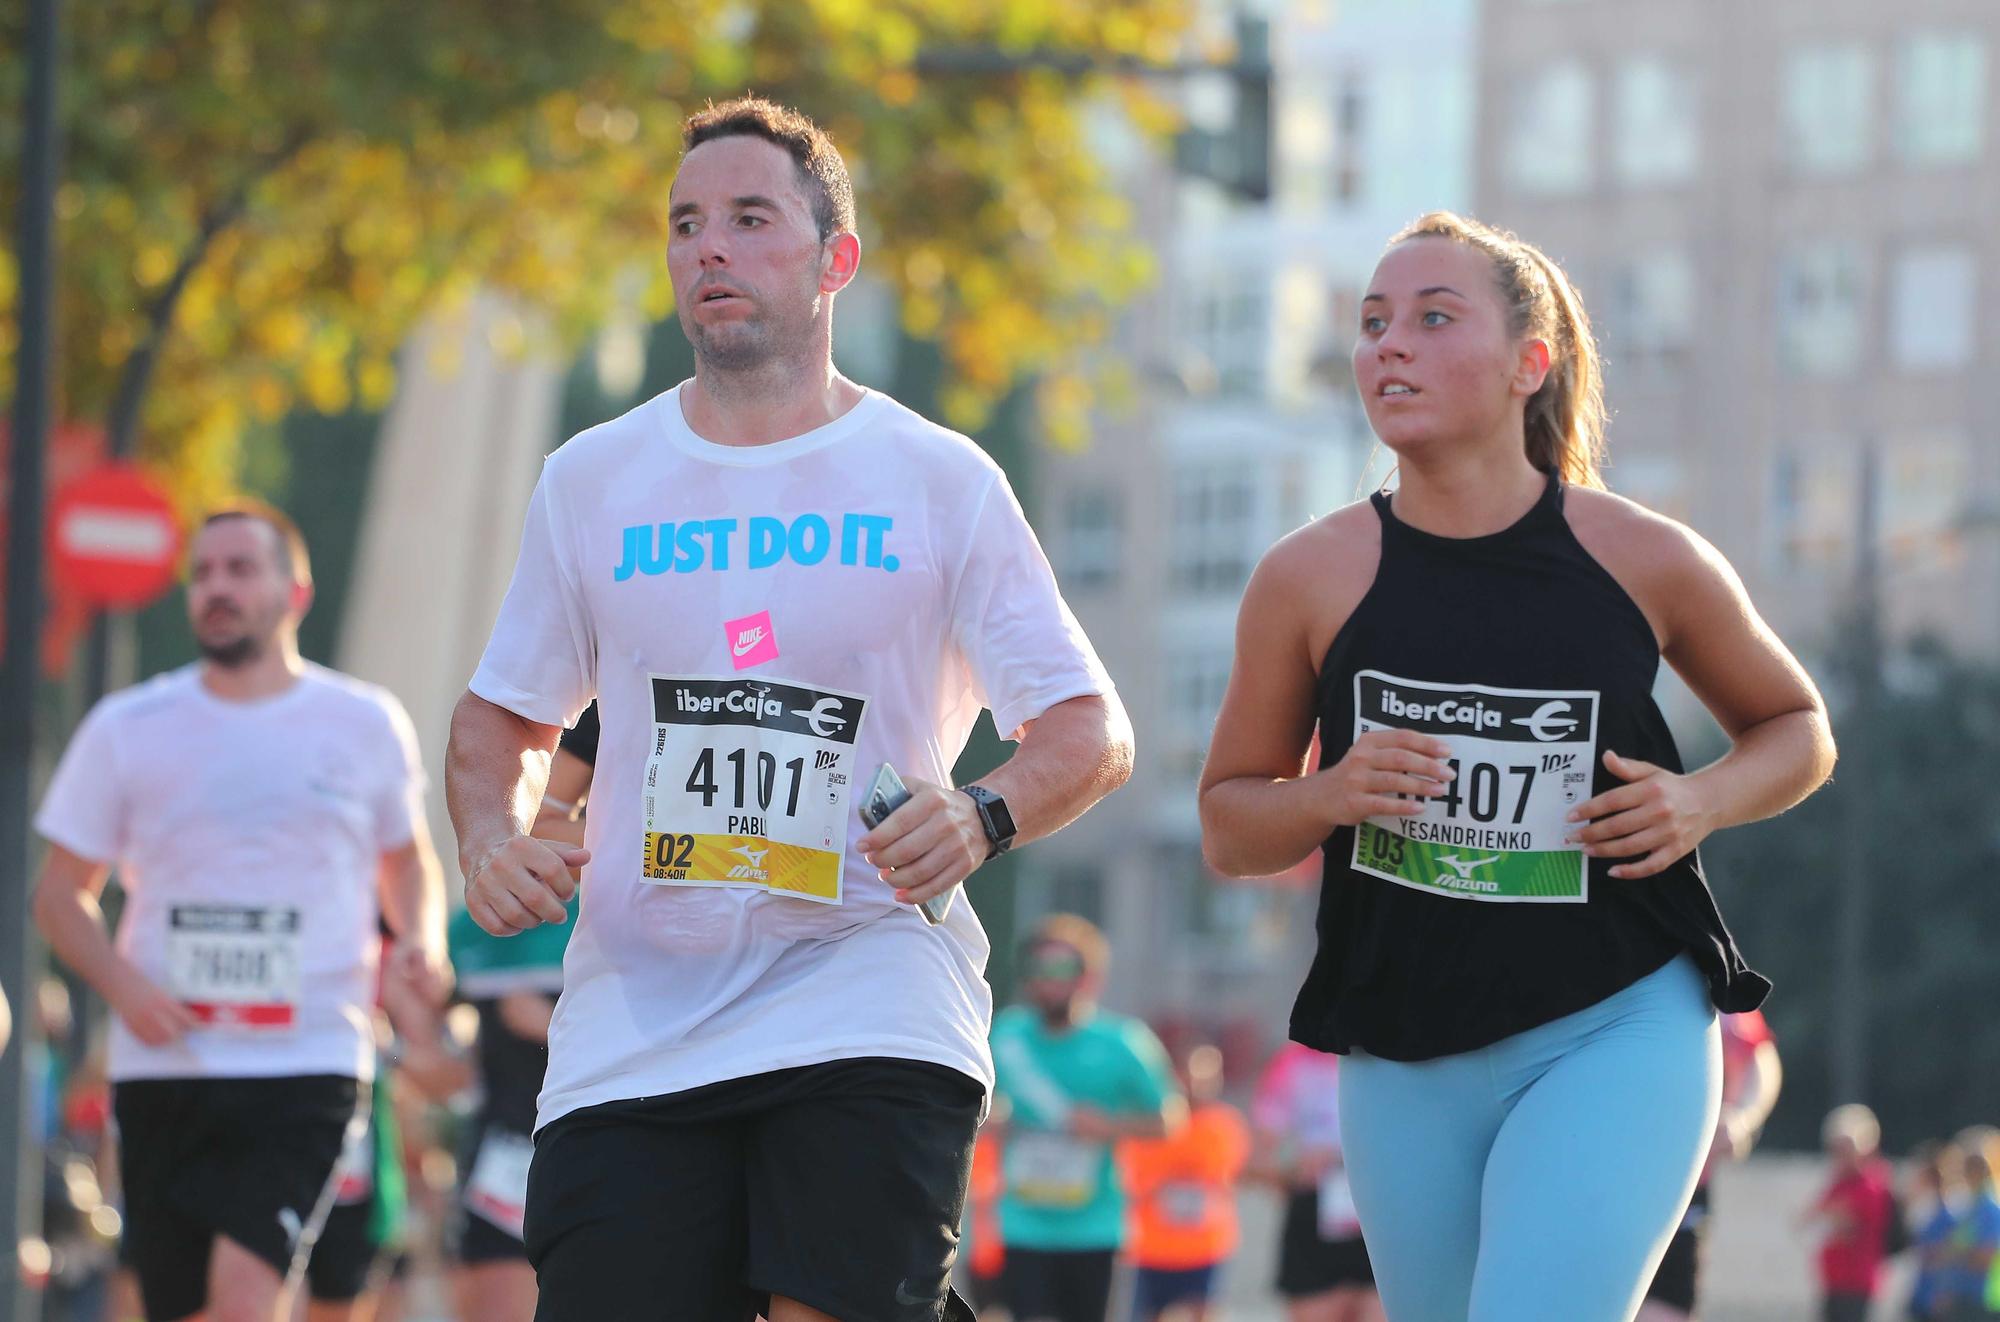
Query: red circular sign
x=113, y=538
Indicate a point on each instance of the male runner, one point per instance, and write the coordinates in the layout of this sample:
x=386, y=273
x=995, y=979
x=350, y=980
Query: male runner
x=766, y=1067
x=256, y=807
x=1076, y=1080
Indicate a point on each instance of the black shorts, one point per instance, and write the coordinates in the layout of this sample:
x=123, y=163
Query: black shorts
x=1677, y=1283
x=838, y=1185
x=344, y=1258
x=1309, y=1265
x=1067, y=1285
x=252, y=1159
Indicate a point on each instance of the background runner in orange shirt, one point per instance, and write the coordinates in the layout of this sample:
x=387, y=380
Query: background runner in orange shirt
x=1183, y=1191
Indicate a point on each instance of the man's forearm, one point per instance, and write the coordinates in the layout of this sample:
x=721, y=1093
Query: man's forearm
x=496, y=767
x=73, y=925
x=413, y=897
x=1072, y=755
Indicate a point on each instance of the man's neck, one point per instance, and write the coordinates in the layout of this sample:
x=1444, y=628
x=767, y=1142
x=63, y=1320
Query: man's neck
x=265, y=677
x=762, y=405
x=1068, y=1017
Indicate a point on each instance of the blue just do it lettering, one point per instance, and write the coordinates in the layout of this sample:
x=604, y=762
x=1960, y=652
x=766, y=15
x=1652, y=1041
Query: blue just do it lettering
x=696, y=544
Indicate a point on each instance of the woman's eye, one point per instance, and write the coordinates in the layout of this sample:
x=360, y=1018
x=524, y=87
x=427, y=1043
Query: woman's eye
x=1372, y=325
x=1435, y=318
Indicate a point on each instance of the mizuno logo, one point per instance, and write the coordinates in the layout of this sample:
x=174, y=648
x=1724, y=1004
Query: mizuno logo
x=1465, y=867
x=755, y=857
x=1549, y=721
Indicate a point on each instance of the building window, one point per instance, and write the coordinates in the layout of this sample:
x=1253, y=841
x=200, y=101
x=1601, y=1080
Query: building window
x=1812, y=504
x=1926, y=481
x=1092, y=538
x=1821, y=293
x=1228, y=327
x=1932, y=308
x=1828, y=94
x=1196, y=680
x=1650, y=310
x=1212, y=533
x=1658, y=124
x=1553, y=114
x=1350, y=118
x=1941, y=98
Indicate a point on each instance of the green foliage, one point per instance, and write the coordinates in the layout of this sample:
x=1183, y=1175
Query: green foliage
x=272, y=195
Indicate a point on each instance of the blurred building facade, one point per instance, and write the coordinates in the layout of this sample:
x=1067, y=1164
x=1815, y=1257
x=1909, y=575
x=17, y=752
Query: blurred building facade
x=1779, y=216
x=1244, y=427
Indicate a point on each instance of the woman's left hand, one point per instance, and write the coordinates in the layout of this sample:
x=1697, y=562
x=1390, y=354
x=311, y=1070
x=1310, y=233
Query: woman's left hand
x=1657, y=814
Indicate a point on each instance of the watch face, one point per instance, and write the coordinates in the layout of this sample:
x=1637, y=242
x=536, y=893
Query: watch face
x=1003, y=821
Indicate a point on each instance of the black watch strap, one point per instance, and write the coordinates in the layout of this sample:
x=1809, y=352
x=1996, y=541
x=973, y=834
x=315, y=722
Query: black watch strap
x=994, y=816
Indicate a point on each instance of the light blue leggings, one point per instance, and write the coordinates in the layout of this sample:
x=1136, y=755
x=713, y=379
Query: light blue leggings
x=1538, y=1179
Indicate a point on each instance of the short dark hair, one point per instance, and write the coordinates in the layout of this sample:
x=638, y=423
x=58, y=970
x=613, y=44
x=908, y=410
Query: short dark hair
x=822, y=174
x=291, y=542
x=1076, y=932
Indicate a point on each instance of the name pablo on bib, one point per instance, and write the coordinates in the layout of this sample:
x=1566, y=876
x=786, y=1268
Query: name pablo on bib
x=1521, y=759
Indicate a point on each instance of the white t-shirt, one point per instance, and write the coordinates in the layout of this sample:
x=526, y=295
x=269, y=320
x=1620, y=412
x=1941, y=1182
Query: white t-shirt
x=763, y=627
x=248, y=837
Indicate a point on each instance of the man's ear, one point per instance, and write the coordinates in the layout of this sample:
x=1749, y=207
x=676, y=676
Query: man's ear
x=842, y=261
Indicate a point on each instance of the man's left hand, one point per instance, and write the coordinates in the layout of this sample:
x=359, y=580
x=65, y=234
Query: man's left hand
x=930, y=844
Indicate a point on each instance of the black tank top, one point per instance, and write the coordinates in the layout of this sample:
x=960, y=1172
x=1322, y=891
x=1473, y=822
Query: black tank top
x=1451, y=931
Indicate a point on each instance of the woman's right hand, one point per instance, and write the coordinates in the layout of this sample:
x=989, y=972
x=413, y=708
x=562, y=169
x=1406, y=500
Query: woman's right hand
x=1384, y=774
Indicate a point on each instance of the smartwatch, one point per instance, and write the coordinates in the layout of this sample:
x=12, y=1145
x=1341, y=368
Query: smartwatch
x=993, y=815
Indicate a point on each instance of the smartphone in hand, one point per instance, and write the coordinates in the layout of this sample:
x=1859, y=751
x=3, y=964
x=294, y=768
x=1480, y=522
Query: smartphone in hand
x=886, y=793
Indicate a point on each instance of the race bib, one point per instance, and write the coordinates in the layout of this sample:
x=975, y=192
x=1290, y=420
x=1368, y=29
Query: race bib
x=1523, y=758
x=1052, y=1170
x=235, y=966
x=747, y=785
x=1184, y=1203
x=1338, y=1217
x=497, y=1189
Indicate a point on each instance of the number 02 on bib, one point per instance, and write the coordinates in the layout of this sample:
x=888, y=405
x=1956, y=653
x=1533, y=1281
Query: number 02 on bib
x=747, y=785
x=1523, y=758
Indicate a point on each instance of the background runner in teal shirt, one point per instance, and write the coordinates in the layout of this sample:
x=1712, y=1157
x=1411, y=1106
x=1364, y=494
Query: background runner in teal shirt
x=1072, y=1080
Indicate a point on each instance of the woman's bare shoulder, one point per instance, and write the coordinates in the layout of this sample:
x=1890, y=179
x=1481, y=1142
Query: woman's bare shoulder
x=1323, y=569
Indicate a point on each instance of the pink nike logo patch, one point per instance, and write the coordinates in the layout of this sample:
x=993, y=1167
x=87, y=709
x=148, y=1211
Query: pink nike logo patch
x=751, y=640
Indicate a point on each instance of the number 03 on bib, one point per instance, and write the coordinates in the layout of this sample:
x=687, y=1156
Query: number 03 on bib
x=1522, y=757
x=748, y=784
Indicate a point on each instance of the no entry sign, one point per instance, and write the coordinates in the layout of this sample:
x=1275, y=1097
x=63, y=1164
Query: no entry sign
x=113, y=538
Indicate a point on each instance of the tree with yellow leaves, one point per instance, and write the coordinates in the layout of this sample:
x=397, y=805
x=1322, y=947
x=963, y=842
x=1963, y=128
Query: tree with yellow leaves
x=261, y=200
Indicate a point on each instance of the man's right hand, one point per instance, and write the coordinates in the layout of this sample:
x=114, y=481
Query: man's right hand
x=523, y=883
x=153, y=1016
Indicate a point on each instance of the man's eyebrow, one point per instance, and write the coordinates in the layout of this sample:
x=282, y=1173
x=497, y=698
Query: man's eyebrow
x=739, y=203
